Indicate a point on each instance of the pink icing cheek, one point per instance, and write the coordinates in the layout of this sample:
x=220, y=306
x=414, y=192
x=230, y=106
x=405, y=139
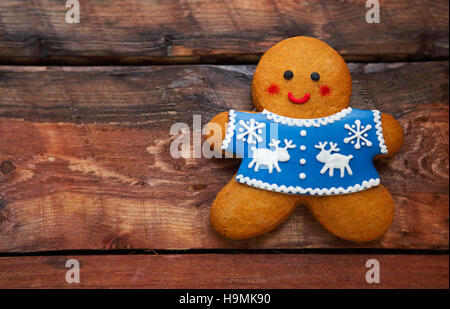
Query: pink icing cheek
x=324, y=90
x=273, y=89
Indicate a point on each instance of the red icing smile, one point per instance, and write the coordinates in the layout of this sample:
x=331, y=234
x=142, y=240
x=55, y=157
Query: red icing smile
x=295, y=100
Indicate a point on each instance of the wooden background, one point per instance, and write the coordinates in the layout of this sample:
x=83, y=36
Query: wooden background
x=85, y=167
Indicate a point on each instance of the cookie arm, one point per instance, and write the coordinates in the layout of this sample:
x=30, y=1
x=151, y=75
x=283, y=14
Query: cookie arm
x=392, y=133
x=218, y=121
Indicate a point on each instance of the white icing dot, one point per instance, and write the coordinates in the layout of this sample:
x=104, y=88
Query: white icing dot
x=302, y=161
x=303, y=147
x=243, y=139
x=302, y=175
x=259, y=131
x=362, y=143
x=349, y=133
x=352, y=142
x=241, y=130
x=365, y=134
x=353, y=126
x=303, y=132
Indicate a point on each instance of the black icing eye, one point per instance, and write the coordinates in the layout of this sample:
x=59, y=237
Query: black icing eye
x=288, y=75
x=315, y=76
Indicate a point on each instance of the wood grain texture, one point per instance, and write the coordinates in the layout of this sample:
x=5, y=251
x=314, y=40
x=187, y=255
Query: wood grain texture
x=85, y=160
x=197, y=31
x=267, y=271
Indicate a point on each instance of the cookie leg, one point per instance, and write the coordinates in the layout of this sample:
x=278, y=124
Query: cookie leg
x=358, y=217
x=241, y=211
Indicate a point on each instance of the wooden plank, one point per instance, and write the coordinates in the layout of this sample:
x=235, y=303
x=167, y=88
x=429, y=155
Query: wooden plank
x=202, y=271
x=85, y=160
x=200, y=31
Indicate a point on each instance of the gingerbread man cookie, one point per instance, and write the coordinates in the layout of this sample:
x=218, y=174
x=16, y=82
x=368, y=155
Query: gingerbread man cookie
x=305, y=145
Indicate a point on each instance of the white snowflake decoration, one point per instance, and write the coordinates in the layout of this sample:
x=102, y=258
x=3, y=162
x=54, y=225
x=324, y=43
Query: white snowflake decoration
x=358, y=132
x=250, y=130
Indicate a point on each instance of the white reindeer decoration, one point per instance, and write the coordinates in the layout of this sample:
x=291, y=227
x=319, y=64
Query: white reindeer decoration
x=332, y=161
x=270, y=158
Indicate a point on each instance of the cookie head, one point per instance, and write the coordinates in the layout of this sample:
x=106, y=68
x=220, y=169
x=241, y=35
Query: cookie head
x=301, y=77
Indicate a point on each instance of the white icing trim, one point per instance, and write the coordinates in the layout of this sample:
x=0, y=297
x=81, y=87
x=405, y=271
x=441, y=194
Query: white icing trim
x=366, y=184
x=230, y=131
x=377, y=120
x=315, y=122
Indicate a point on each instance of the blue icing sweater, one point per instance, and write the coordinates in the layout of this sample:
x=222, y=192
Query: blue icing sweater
x=321, y=156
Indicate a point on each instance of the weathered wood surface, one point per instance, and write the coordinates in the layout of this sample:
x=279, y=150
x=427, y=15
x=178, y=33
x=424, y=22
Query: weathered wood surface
x=268, y=271
x=111, y=31
x=85, y=161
